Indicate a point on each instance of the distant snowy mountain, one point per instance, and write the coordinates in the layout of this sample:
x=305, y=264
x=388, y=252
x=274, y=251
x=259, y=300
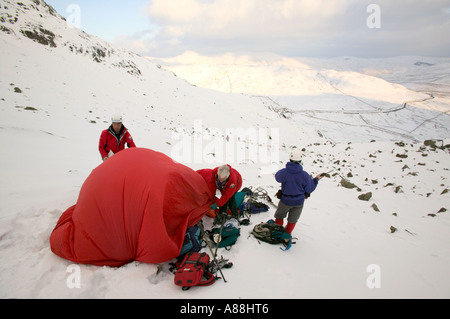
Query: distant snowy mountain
x=377, y=227
x=390, y=99
x=274, y=75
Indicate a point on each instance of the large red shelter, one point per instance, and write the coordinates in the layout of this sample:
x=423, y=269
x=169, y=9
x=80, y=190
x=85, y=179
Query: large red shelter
x=135, y=206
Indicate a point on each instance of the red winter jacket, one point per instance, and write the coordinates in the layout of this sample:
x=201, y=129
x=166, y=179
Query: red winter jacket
x=233, y=185
x=110, y=142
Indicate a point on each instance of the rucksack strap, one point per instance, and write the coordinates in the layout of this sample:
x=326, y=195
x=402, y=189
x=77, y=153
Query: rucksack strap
x=209, y=279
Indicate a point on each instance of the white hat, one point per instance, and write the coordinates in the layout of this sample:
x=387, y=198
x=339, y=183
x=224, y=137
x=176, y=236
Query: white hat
x=116, y=118
x=296, y=155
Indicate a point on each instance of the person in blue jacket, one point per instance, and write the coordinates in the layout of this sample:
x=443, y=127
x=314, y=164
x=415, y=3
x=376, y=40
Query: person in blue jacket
x=296, y=185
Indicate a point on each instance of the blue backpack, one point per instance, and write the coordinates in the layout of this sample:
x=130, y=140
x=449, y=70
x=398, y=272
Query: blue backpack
x=193, y=240
x=253, y=207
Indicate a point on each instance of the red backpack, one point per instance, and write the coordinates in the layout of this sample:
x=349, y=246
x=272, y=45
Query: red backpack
x=193, y=271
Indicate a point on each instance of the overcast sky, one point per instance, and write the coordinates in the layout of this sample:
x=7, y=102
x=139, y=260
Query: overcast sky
x=301, y=28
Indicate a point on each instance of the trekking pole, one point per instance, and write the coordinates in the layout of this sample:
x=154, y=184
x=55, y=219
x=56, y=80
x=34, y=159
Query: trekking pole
x=214, y=257
x=220, y=232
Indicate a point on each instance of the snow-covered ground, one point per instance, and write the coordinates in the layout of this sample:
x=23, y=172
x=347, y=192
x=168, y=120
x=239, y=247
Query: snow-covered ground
x=55, y=101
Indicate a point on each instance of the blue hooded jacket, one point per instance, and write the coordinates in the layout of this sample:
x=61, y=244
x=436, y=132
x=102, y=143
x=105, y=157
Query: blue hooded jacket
x=295, y=182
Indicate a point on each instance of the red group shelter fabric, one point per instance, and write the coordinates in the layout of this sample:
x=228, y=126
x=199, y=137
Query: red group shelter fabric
x=137, y=205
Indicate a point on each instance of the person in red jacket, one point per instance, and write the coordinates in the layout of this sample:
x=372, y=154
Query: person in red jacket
x=113, y=139
x=228, y=181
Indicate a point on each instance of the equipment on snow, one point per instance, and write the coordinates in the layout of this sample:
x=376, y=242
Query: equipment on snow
x=227, y=238
x=219, y=264
x=194, y=271
x=216, y=265
x=227, y=234
x=273, y=233
x=193, y=240
x=255, y=207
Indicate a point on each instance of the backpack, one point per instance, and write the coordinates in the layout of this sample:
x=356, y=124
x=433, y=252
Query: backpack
x=229, y=236
x=193, y=240
x=273, y=234
x=254, y=207
x=193, y=271
x=247, y=191
x=239, y=197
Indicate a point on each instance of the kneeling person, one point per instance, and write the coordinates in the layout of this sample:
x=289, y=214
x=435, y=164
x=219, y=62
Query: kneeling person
x=228, y=181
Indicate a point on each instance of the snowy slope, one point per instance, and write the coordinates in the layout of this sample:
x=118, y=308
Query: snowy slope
x=276, y=75
x=56, y=99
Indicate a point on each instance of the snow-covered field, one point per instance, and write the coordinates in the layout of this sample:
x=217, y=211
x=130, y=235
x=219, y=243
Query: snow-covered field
x=55, y=101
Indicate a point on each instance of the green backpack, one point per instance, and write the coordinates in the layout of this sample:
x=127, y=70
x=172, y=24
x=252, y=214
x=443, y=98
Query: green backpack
x=229, y=236
x=273, y=234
